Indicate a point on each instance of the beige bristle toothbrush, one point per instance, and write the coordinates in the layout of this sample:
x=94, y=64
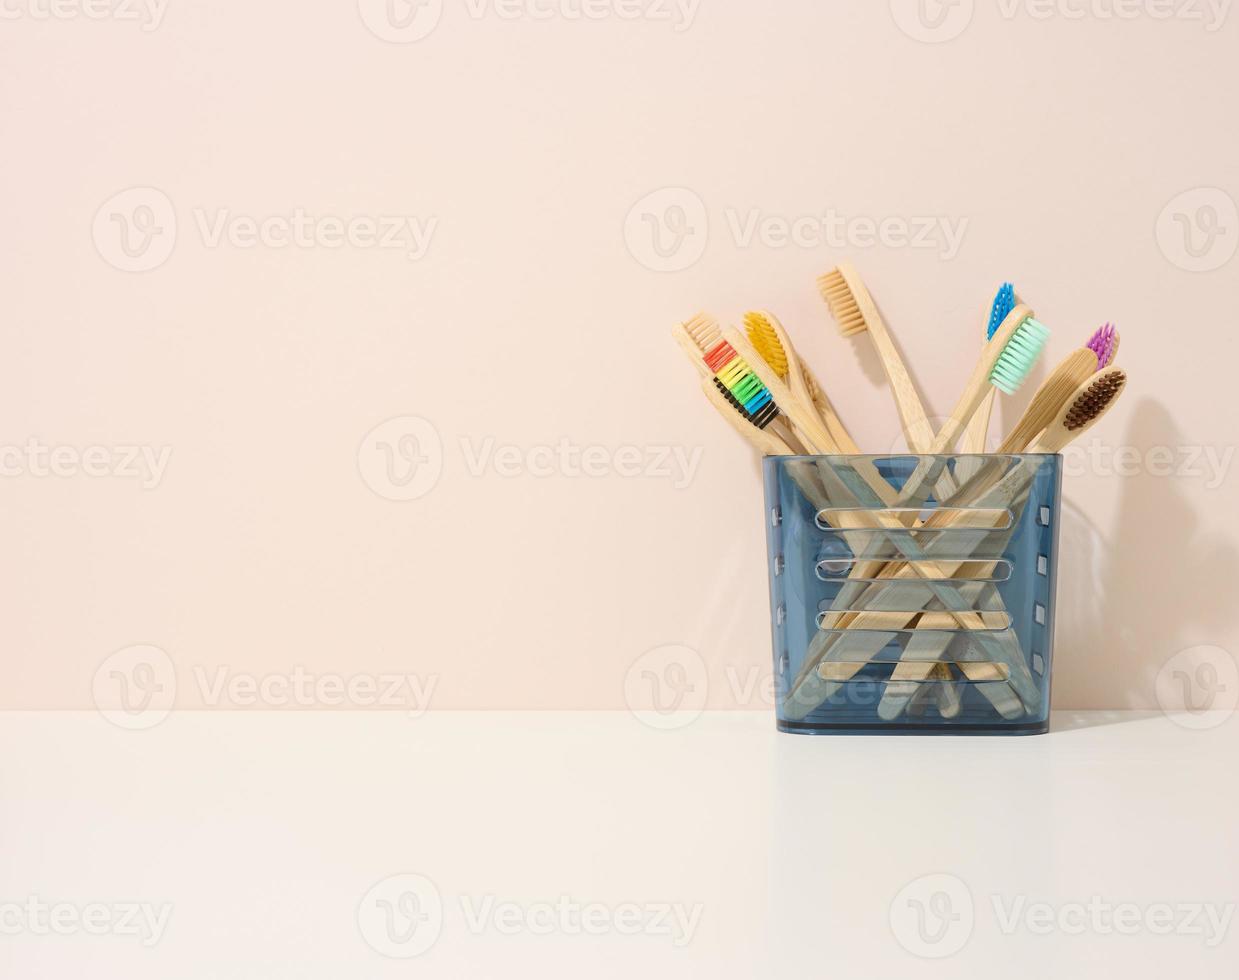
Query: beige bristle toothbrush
x=1004, y=363
x=855, y=312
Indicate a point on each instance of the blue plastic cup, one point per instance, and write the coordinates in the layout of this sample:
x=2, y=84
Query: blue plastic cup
x=912, y=594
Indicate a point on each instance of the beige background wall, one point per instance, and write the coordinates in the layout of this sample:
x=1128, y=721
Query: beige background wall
x=342, y=219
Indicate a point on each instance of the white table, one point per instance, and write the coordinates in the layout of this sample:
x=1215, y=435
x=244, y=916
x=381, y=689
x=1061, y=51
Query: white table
x=570, y=844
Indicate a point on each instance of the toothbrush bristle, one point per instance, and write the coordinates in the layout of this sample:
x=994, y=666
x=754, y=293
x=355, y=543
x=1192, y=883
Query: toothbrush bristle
x=751, y=396
x=843, y=306
x=1019, y=356
x=704, y=331
x=1004, y=303
x=1093, y=401
x=1103, y=344
x=766, y=342
x=763, y=416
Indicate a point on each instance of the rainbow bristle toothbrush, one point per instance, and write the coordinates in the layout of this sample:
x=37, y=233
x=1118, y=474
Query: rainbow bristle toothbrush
x=733, y=376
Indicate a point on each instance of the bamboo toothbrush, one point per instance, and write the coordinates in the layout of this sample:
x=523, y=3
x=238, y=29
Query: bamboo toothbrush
x=1005, y=362
x=699, y=336
x=855, y=312
x=770, y=340
x=978, y=429
x=1092, y=400
x=765, y=442
x=1062, y=383
x=1087, y=405
x=735, y=357
x=1105, y=344
x=921, y=651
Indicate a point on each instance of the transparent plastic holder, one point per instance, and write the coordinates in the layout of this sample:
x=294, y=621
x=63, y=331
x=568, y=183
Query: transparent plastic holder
x=912, y=594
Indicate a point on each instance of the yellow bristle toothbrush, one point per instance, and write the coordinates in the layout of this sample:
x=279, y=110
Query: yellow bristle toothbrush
x=855, y=312
x=736, y=354
x=770, y=340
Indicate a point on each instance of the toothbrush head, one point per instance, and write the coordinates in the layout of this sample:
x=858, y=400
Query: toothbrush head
x=1019, y=355
x=703, y=330
x=744, y=390
x=1090, y=403
x=837, y=292
x=765, y=340
x=1004, y=303
x=1104, y=343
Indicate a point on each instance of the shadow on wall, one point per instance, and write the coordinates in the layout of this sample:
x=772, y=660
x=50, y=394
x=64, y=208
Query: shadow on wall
x=1133, y=595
